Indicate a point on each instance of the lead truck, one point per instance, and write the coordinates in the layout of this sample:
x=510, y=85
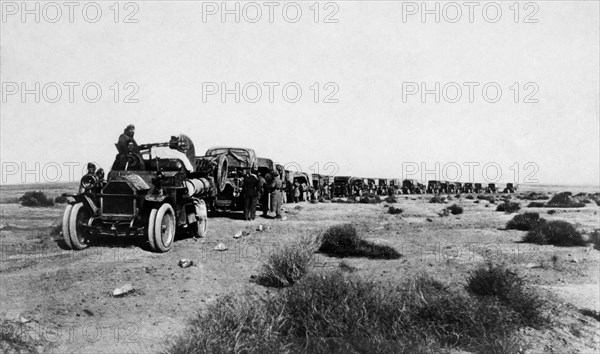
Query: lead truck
x=167, y=196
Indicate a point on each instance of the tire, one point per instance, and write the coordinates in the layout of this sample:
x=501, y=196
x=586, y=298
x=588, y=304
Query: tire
x=150, y=229
x=79, y=216
x=201, y=226
x=164, y=228
x=65, y=226
x=221, y=173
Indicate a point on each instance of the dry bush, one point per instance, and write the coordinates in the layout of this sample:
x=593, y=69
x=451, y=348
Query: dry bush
x=393, y=210
x=508, y=207
x=338, y=313
x=509, y=288
x=369, y=198
x=390, y=200
x=437, y=199
x=343, y=241
x=455, y=209
x=36, y=199
x=564, y=200
x=552, y=212
x=61, y=199
x=288, y=264
x=557, y=232
x=534, y=196
x=536, y=205
x=470, y=197
x=524, y=222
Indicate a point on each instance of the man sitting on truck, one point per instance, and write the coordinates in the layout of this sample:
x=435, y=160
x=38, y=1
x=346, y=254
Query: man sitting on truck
x=129, y=161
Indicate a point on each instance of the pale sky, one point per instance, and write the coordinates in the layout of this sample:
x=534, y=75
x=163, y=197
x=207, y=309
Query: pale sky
x=369, y=56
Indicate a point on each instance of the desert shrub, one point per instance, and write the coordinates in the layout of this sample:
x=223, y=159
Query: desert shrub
x=61, y=199
x=552, y=212
x=489, y=198
x=339, y=313
x=457, y=196
x=524, y=222
x=437, y=199
x=14, y=337
x=455, y=209
x=36, y=199
x=534, y=196
x=509, y=288
x=286, y=265
x=556, y=232
x=444, y=212
x=393, y=210
x=298, y=207
x=370, y=199
x=56, y=229
x=595, y=239
x=470, y=197
x=508, y=207
x=476, y=202
x=343, y=241
x=564, y=200
x=536, y=205
x=390, y=199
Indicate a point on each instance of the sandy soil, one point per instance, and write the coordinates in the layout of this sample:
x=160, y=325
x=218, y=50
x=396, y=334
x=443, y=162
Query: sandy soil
x=63, y=298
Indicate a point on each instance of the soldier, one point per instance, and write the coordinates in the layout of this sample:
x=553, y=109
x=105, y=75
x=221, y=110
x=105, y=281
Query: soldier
x=129, y=161
x=125, y=138
x=296, y=192
x=251, y=192
x=275, y=188
x=262, y=194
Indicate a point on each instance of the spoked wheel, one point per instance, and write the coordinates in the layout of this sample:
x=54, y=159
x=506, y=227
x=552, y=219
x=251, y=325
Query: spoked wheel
x=78, y=220
x=65, y=226
x=164, y=228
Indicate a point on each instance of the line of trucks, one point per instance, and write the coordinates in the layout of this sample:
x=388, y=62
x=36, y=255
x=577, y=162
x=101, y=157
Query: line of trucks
x=176, y=190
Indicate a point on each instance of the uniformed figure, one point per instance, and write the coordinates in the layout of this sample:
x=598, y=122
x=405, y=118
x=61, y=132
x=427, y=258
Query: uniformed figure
x=251, y=191
x=275, y=188
x=296, y=192
x=263, y=194
x=129, y=161
x=125, y=138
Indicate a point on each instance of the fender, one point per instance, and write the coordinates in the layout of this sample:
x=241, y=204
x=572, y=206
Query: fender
x=87, y=201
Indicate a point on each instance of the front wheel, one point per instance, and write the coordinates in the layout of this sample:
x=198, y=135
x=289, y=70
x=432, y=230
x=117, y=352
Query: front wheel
x=65, y=226
x=164, y=228
x=78, y=220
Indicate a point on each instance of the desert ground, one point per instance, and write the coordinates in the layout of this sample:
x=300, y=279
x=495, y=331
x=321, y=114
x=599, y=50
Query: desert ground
x=60, y=301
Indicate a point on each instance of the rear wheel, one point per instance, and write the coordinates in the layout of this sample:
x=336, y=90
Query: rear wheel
x=78, y=220
x=65, y=226
x=164, y=228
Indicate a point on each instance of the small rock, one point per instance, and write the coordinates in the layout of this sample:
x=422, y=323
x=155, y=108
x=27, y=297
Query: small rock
x=221, y=247
x=260, y=228
x=532, y=265
x=184, y=263
x=574, y=260
x=238, y=234
x=124, y=290
x=24, y=320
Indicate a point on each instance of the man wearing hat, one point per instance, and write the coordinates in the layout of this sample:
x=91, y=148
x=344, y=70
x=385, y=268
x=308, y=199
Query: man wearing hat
x=251, y=191
x=124, y=140
x=275, y=187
